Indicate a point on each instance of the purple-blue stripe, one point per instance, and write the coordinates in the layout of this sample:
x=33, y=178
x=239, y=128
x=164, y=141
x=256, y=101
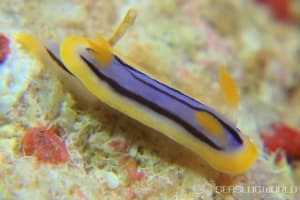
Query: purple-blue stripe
x=162, y=99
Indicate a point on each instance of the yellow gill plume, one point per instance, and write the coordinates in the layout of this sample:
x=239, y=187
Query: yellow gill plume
x=229, y=88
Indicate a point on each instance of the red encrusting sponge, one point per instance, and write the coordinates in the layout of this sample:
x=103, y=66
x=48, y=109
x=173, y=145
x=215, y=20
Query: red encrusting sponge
x=282, y=138
x=45, y=145
x=280, y=9
x=4, y=47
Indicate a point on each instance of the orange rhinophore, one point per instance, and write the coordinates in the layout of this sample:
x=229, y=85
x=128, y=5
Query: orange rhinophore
x=45, y=145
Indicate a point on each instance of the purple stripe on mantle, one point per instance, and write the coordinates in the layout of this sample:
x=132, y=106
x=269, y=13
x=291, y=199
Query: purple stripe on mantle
x=162, y=99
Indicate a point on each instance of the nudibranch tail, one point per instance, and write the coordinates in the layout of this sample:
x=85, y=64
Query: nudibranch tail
x=190, y=123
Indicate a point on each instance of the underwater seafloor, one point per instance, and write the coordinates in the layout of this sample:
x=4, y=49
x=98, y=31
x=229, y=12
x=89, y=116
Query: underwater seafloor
x=98, y=153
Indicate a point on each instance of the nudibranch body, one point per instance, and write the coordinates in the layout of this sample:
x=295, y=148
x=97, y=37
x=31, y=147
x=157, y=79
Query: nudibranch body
x=185, y=120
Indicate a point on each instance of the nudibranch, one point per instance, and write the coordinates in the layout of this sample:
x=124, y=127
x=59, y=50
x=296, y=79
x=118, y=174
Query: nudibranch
x=120, y=85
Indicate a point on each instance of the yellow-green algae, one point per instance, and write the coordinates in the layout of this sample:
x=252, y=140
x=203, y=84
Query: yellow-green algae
x=31, y=96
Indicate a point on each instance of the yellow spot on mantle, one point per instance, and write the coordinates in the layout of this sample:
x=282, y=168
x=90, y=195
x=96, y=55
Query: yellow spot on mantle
x=209, y=123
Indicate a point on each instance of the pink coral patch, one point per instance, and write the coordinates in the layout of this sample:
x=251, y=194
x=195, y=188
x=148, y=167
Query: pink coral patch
x=45, y=145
